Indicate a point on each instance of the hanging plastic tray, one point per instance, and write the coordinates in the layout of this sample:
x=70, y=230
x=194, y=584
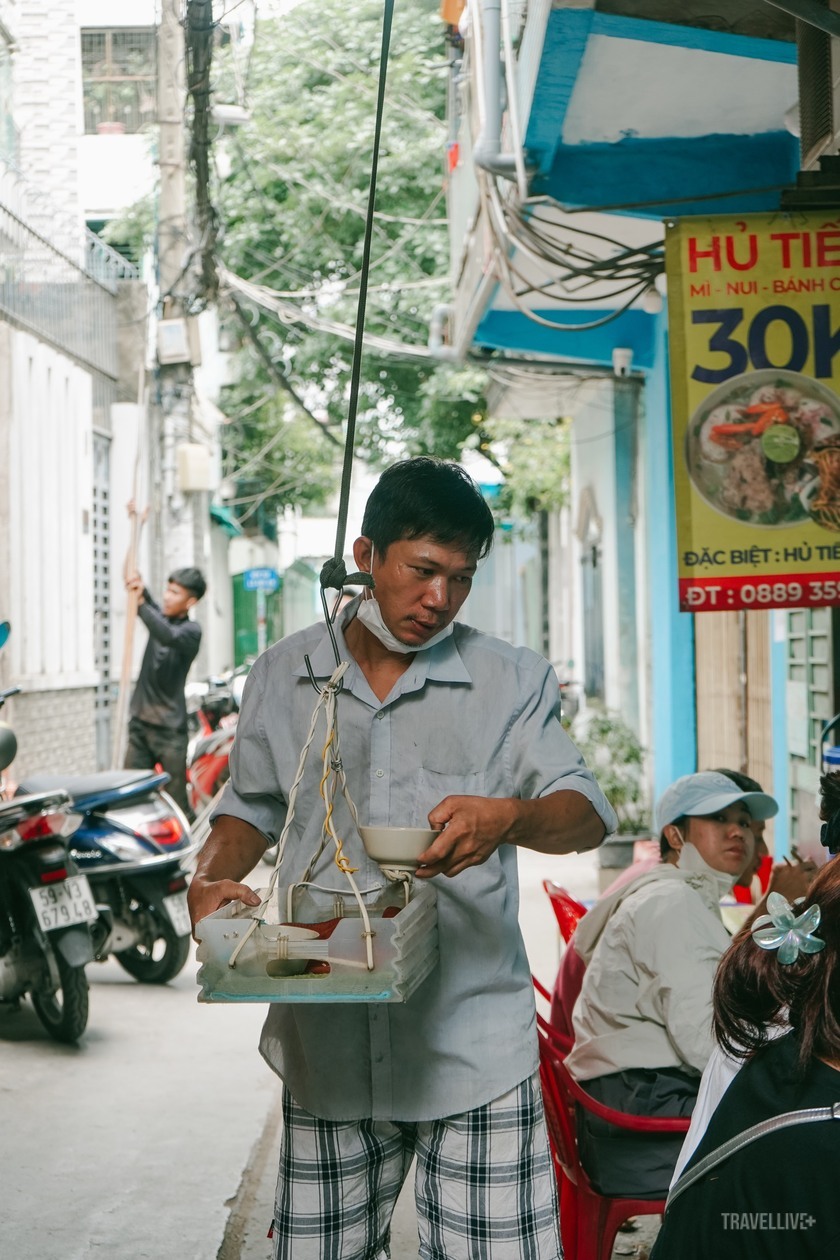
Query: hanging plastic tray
x=329, y=965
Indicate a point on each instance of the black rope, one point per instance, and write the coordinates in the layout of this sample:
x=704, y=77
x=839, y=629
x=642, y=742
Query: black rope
x=334, y=571
x=331, y=571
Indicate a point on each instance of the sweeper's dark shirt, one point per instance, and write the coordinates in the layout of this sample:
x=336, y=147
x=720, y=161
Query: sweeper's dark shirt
x=173, y=645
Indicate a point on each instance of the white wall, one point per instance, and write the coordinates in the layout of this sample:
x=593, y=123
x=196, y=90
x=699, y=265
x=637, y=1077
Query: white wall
x=50, y=518
x=114, y=172
x=128, y=426
x=122, y=13
x=47, y=78
x=251, y=553
x=215, y=612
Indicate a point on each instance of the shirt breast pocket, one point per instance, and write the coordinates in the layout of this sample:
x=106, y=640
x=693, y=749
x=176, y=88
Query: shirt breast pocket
x=434, y=785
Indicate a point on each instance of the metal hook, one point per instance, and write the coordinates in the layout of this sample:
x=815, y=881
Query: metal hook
x=354, y=579
x=329, y=620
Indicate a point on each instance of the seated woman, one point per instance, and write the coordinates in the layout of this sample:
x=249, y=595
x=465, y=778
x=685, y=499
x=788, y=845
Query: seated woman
x=643, y=1021
x=775, y=1196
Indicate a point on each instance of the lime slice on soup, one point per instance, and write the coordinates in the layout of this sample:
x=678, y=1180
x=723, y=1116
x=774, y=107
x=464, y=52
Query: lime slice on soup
x=781, y=443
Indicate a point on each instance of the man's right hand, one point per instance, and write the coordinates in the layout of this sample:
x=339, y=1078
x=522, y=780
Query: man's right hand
x=232, y=849
x=135, y=585
x=206, y=896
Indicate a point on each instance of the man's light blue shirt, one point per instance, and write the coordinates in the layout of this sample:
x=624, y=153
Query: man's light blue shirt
x=471, y=716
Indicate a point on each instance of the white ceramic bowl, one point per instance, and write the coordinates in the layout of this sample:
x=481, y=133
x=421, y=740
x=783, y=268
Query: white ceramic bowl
x=399, y=847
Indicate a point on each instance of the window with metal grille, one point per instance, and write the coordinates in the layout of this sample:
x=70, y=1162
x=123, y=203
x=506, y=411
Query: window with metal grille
x=119, y=75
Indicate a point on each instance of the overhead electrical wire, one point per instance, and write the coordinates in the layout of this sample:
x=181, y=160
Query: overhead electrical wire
x=626, y=269
x=585, y=267
x=288, y=313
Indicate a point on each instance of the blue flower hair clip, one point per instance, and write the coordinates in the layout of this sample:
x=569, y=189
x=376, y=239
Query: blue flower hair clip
x=782, y=930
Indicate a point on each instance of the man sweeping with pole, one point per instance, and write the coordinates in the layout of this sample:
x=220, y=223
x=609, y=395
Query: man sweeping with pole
x=157, y=728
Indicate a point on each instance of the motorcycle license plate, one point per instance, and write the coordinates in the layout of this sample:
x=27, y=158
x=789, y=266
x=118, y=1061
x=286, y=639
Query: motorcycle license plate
x=176, y=908
x=65, y=904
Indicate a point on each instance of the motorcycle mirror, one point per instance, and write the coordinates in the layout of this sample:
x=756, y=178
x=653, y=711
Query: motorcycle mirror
x=8, y=746
x=5, y=631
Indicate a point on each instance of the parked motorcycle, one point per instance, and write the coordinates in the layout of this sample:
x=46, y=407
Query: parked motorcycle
x=132, y=843
x=213, y=710
x=46, y=905
x=213, y=714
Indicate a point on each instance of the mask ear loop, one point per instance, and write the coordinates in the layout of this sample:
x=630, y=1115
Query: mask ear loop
x=371, y=585
x=683, y=842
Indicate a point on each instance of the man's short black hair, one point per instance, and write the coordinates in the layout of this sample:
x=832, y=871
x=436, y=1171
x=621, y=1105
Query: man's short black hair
x=742, y=781
x=426, y=497
x=192, y=580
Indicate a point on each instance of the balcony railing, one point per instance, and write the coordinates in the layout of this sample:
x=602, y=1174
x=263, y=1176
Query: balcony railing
x=44, y=291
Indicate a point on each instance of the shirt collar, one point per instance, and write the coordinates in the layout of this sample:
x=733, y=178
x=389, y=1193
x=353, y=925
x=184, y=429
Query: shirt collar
x=441, y=663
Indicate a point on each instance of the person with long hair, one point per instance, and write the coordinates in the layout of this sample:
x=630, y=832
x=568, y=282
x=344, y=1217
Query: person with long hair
x=770, y=1191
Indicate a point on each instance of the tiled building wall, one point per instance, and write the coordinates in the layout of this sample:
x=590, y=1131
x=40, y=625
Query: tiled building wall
x=55, y=732
x=48, y=113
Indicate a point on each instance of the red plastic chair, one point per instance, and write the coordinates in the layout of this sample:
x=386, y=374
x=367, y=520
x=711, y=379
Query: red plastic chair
x=567, y=987
x=568, y=912
x=563, y=1040
x=765, y=870
x=566, y=909
x=589, y=1221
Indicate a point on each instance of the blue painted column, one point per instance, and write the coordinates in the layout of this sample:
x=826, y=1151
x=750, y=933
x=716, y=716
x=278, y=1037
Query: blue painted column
x=673, y=712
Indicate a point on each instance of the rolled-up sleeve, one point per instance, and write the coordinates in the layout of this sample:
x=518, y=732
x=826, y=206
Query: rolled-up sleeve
x=543, y=758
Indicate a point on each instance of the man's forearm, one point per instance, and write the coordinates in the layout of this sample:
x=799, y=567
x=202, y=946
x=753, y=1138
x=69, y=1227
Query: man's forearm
x=562, y=822
x=233, y=848
x=231, y=851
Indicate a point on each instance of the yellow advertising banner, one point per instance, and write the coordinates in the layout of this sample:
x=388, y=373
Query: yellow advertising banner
x=754, y=325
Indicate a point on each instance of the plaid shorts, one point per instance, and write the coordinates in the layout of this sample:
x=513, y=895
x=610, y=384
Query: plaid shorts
x=484, y=1184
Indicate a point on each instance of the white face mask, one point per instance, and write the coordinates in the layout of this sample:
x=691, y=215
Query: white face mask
x=370, y=614
x=692, y=862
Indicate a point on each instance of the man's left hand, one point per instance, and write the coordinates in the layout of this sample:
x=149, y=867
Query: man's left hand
x=473, y=829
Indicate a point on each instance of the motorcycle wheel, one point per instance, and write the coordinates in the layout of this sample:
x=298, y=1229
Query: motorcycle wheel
x=161, y=963
x=64, y=1013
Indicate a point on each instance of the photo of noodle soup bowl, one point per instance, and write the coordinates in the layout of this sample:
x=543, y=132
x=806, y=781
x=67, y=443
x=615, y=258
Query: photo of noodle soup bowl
x=764, y=448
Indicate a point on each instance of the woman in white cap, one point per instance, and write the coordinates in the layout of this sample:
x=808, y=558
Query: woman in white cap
x=643, y=1021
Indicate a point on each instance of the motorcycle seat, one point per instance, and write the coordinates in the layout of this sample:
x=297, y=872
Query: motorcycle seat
x=83, y=785
x=211, y=743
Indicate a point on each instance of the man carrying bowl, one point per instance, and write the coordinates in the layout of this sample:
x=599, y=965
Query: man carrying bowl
x=445, y=727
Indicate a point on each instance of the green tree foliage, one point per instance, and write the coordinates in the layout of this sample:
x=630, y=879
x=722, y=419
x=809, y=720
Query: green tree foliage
x=534, y=457
x=294, y=208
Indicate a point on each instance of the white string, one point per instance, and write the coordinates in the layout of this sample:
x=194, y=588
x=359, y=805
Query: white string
x=333, y=771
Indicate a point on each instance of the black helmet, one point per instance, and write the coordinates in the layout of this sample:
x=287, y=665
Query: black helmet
x=8, y=745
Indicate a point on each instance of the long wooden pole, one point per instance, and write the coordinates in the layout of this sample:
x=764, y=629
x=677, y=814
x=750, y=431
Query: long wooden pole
x=120, y=725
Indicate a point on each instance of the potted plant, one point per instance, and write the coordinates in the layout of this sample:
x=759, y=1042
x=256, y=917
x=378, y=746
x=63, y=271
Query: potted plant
x=615, y=756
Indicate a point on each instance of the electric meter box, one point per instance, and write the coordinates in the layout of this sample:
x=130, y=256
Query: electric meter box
x=194, y=471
